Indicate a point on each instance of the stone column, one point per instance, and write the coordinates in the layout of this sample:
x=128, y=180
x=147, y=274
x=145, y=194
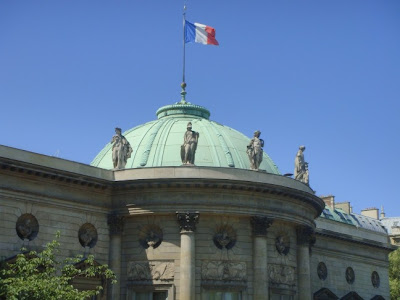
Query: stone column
x=305, y=239
x=115, y=223
x=187, y=223
x=260, y=258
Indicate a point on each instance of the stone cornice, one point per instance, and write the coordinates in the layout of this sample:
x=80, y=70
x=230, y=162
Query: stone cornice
x=223, y=184
x=172, y=179
x=349, y=238
x=53, y=201
x=26, y=169
x=354, y=257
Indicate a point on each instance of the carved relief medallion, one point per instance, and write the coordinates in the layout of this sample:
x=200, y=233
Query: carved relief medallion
x=279, y=274
x=87, y=235
x=322, y=271
x=350, y=276
x=224, y=237
x=27, y=227
x=151, y=270
x=223, y=271
x=150, y=235
x=376, y=281
x=282, y=244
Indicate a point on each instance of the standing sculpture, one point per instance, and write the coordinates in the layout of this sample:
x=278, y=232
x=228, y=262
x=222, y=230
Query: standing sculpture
x=255, y=151
x=188, y=149
x=301, y=167
x=121, y=150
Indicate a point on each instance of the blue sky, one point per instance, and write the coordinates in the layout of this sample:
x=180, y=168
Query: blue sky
x=324, y=74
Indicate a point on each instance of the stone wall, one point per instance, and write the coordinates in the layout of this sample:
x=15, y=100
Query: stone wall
x=50, y=219
x=226, y=265
x=137, y=253
x=77, y=199
x=224, y=254
x=339, y=254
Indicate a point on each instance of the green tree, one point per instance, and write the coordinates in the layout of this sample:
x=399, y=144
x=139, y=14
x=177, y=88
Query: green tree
x=42, y=276
x=394, y=274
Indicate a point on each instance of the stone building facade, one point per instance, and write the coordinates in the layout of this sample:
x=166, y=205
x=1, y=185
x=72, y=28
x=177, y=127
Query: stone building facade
x=213, y=230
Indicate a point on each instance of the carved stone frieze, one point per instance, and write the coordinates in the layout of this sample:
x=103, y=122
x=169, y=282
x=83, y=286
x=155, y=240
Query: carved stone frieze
x=115, y=223
x=279, y=274
x=223, y=271
x=187, y=221
x=151, y=270
x=260, y=225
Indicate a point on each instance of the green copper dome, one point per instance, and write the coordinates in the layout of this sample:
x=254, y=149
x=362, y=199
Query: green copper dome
x=157, y=143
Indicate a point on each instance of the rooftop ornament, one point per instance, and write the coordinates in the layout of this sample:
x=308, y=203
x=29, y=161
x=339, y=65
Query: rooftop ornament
x=188, y=149
x=255, y=151
x=121, y=150
x=301, y=167
x=183, y=94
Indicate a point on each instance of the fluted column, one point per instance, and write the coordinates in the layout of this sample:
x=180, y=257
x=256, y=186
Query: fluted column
x=187, y=223
x=305, y=239
x=115, y=223
x=260, y=258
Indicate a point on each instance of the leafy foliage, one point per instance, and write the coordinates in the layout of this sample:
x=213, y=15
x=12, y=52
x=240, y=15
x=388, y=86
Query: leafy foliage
x=41, y=276
x=394, y=274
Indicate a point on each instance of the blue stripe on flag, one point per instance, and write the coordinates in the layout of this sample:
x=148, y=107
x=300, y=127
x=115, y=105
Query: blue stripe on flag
x=190, y=32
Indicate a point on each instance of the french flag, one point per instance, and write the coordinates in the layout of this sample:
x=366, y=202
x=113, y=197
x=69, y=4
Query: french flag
x=200, y=33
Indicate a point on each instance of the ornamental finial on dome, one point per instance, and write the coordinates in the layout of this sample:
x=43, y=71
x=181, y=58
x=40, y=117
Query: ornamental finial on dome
x=183, y=107
x=183, y=93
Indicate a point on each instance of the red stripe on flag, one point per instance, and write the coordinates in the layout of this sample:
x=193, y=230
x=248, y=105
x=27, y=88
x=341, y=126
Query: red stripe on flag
x=211, y=36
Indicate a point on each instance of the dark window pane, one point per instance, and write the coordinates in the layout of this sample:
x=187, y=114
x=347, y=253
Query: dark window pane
x=160, y=296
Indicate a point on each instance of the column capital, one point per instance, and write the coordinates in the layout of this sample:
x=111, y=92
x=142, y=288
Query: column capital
x=260, y=225
x=115, y=223
x=305, y=236
x=187, y=221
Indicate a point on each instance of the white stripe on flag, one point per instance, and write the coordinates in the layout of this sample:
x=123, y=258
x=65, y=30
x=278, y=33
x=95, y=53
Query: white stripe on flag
x=201, y=34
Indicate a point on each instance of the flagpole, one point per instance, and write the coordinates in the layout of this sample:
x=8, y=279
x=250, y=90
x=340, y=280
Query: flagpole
x=183, y=84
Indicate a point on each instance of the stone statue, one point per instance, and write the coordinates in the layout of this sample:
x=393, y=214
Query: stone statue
x=121, y=150
x=301, y=167
x=188, y=149
x=255, y=151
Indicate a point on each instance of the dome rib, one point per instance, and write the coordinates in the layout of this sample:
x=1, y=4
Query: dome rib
x=162, y=140
x=235, y=153
x=210, y=139
x=144, y=136
x=225, y=147
x=153, y=133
